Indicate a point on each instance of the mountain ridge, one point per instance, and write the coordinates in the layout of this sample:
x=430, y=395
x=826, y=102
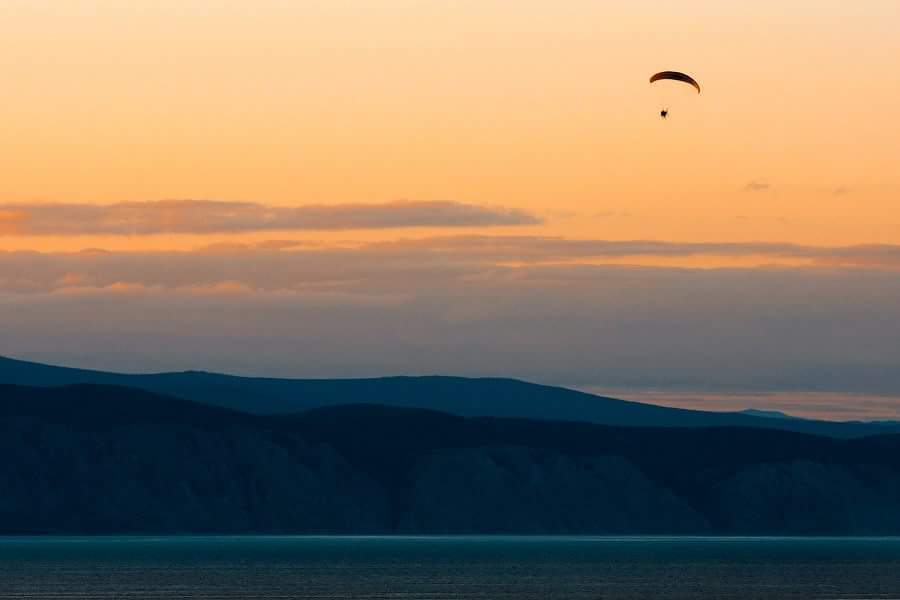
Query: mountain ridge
x=120, y=461
x=470, y=397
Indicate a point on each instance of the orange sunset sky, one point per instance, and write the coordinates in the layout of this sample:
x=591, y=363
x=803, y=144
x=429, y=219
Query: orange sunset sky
x=321, y=188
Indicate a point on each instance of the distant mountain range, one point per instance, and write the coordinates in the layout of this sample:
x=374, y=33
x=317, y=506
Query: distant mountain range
x=485, y=397
x=772, y=414
x=89, y=459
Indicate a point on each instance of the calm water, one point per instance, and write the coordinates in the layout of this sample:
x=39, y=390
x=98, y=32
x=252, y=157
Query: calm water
x=520, y=568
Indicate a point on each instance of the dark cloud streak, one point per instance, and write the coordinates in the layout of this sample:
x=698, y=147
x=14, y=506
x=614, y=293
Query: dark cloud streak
x=207, y=217
x=293, y=265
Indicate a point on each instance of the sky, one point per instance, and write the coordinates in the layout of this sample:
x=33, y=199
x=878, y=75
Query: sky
x=357, y=188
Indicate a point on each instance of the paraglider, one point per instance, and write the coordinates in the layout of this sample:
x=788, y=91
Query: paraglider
x=674, y=76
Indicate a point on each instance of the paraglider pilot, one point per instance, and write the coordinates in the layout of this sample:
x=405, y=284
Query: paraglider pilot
x=674, y=76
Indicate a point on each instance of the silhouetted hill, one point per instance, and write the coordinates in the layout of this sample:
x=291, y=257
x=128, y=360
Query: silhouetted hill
x=771, y=414
x=90, y=406
x=97, y=459
x=457, y=395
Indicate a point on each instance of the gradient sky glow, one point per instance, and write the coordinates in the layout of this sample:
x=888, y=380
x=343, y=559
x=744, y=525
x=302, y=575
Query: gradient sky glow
x=388, y=176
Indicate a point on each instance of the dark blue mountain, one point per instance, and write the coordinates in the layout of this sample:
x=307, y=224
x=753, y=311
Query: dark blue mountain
x=483, y=397
x=91, y=459
x=771, y=414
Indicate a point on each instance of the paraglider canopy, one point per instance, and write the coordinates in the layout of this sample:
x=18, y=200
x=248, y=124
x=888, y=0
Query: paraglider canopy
x=676, y=76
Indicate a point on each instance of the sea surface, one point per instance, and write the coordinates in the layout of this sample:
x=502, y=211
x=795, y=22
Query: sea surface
x=520, y=568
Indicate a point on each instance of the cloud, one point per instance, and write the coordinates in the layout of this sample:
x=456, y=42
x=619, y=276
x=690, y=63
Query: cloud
x=617, y=327
x=537, y=249
x=288, y=265
x=461, y=305
x=10, y=221
x=282, y=244
x=206, y=217
x=758, y=185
